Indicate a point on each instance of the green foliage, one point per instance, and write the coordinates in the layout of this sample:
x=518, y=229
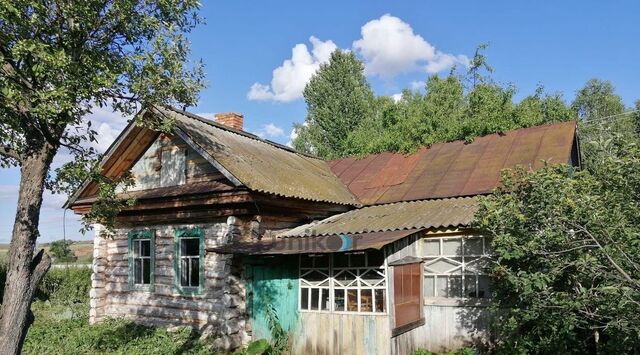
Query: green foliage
x=279, y=337
x=61, y=251
x=596, y=100
x=463, y=351
x=338, y=97
x=343, y=121
x=567, y=268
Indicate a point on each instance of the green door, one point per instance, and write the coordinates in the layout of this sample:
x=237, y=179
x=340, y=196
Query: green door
x=273, y=283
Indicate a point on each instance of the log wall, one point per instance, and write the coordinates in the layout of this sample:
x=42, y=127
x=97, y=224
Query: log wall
x=220, y=309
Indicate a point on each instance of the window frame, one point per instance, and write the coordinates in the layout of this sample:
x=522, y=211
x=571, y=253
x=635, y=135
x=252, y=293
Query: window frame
x=179, y=235
x=462, y=266
x=133, y=236
x=402, y=266
x=331, y=270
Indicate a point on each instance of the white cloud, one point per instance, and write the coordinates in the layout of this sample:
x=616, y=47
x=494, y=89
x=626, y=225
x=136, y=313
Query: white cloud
x=290, y=78
x=397, y=97
x=269, y=130
x=390, y=47
x=108, y=124
x=417, y=85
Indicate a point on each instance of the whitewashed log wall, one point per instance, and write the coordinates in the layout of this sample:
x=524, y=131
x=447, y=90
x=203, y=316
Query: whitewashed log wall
x=219, y=310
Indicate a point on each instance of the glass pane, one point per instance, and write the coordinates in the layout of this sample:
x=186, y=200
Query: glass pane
x=429, y=286
x=432, y=247
x=145, y=247
x=146, y=271
x=190, y=247
x=375, y=258
x=340, y=260
x=442, y=266
x=137, y=271
x=305, y=261
x=304, y=298
x=195, y=272
x=455, y=286
x=441, y=286
x=136, y=248
x=484, y=286
x=357, y=259
x=370, y=278
x=452, y=246
x=338, y=299
x=324, y=299
x=352, y=300
x=366, y=300
x=470, y=286
x=345, y=278
x=380, y=300
x=315, y=293
x=315, y=277
x=473, y=246
x=321, y=260
x=184, y=272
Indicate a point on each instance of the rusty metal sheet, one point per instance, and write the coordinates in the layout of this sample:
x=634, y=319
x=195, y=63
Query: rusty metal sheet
x=310, y=245
x=457, y=169
x=438, y=213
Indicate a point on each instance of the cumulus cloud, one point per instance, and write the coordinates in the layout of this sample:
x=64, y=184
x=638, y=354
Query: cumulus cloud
x=289, y=79
x=397, y=97
x=390, y=47
x=269, y=130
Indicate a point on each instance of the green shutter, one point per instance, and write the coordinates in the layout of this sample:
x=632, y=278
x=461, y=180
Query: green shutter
x=196, y=232
x=143, y=234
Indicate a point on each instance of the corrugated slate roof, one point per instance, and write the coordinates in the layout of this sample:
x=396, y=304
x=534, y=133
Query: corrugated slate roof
x=439, y=213
x=261, y=165
x=455, y=168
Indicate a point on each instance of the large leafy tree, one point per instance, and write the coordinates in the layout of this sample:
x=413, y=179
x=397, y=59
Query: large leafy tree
x=567, y=268
x=58, y=60
x=338, y=98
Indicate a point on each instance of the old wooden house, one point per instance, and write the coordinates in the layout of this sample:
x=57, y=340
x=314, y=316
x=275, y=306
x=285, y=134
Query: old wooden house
x=361, y=256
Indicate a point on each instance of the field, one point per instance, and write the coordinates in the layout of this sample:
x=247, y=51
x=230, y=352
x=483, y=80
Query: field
x=83, y=250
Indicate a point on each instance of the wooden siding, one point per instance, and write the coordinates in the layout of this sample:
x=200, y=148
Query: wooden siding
x=169, y=161
x=450, y=324
x=341, y=333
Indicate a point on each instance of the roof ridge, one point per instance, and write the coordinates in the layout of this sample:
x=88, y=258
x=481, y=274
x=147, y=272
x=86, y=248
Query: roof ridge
x=240, y=132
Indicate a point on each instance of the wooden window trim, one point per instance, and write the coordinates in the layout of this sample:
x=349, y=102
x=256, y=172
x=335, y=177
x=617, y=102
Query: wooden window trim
x=179, y=234
x=132, y=236
x=333, y=285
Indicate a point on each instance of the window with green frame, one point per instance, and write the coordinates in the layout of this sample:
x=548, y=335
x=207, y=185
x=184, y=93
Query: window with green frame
x=141, y=259
x=189, y=260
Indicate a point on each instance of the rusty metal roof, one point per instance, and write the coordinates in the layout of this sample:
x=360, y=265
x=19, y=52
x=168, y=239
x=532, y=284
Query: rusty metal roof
x=439, y=213
x=454, y=168
x=321, y=244
x=262, y=165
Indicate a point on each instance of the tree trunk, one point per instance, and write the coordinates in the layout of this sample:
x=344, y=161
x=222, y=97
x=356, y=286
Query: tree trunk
x=24, y=270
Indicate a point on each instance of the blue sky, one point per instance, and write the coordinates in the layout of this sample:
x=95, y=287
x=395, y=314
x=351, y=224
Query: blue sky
x=560, y=44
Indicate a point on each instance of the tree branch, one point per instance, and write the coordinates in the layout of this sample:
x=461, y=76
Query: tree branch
x=10, y=153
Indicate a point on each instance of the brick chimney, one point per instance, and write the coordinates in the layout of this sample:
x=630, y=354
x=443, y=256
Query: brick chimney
x=230, y=119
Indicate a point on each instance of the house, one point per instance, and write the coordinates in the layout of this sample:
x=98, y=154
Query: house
x=364, y=256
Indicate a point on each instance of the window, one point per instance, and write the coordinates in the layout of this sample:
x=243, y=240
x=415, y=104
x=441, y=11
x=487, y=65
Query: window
x=345, y=282
x=189, y=260
x=141, y=259
x=407, y=298
x=456, y=267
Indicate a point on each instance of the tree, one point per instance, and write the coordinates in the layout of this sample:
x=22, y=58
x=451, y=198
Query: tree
x=338, y=98
x=597, y=99
x=58, y=60
x=60, y=249
x=567, y=257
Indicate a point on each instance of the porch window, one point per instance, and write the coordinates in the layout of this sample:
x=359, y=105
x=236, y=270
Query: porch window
x=189, y=260
x=456, y=267
x=141, y=259
x=407, y=298
x=345, y=282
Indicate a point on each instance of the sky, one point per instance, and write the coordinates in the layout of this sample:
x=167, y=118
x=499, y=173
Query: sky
x=259, y=55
